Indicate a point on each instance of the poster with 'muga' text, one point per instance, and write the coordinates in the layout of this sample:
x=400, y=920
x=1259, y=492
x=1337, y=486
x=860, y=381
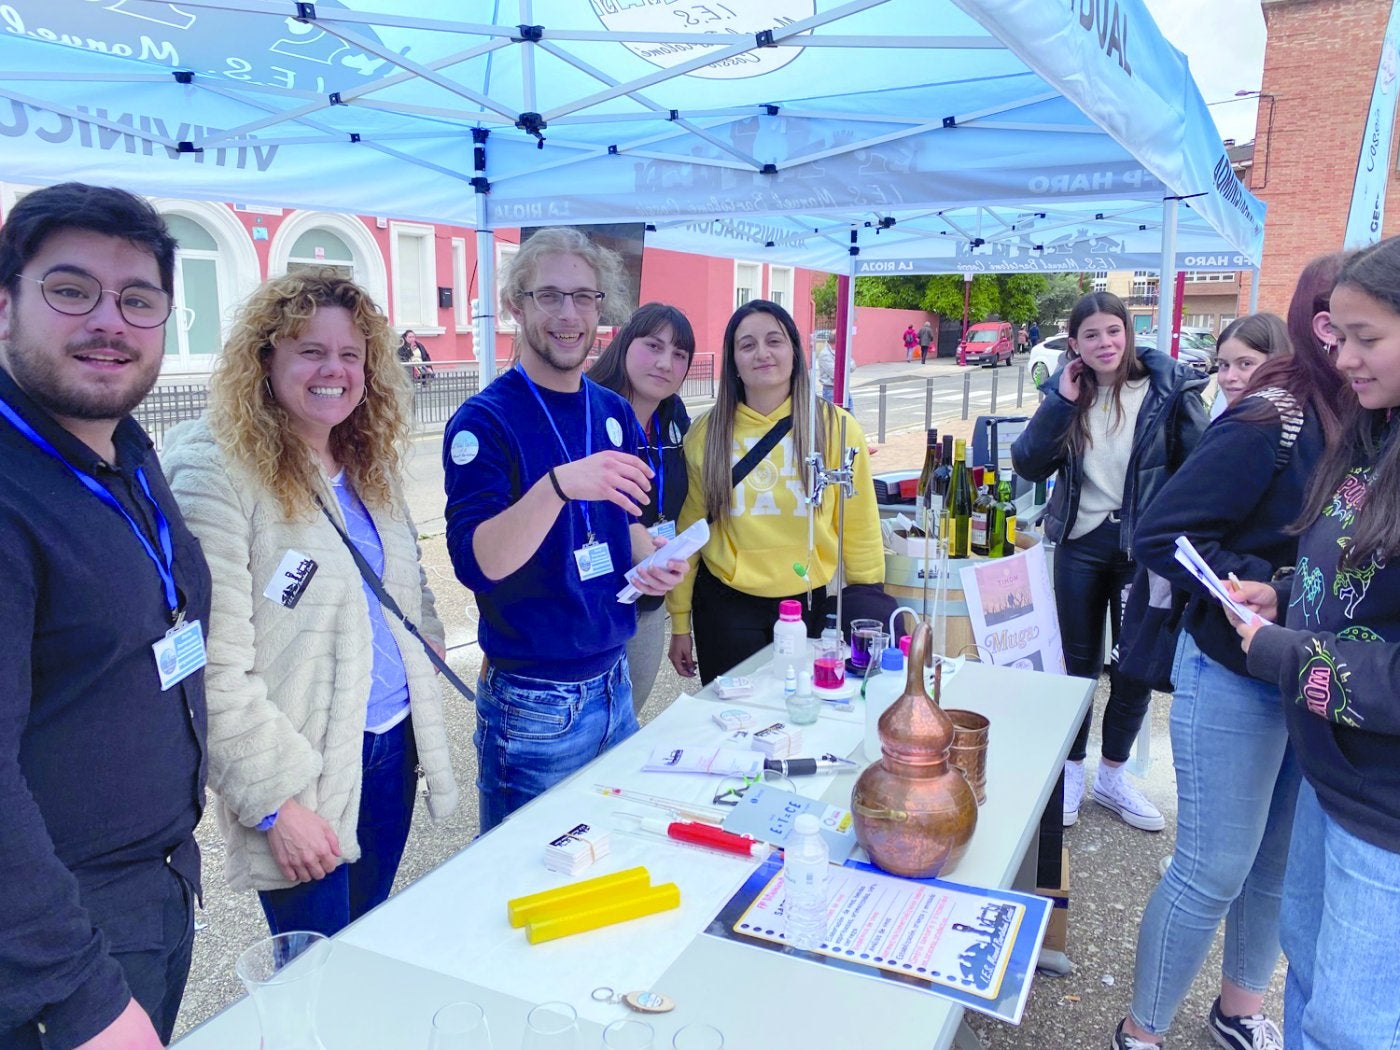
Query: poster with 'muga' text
x=1012, y=609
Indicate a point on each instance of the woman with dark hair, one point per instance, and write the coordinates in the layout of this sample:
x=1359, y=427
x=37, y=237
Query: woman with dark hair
x=646, y=363
x=1337, y=665
x=1244, y=345
x=1115, y=423
x=759, y=535
x=1235, y=498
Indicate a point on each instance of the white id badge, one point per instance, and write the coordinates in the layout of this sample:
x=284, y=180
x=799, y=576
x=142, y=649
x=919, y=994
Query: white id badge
x=665, y=529
x=180, y=653
x=593, y=560
x=291, y=579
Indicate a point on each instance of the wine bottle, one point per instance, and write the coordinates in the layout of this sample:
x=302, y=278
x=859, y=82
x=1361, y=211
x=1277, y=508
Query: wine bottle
x=943, y=476
x=960, y=499
x=931, y=462
x=1005, y=521
x=982, y=510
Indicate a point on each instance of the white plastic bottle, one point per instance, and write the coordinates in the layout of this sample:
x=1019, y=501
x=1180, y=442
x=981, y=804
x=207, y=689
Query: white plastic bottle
x=883, y=690
x=789, y=639
x=806, y=860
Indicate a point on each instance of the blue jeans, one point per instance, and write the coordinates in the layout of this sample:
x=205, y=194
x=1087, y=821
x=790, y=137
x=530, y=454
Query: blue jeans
x=1341, y=911
x=390, y=775
x=1236, y=785
x=531, y=734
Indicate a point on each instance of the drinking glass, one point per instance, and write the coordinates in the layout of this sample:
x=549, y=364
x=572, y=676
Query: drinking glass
x=551, y=1026
x=283, y=978
x=460, y=1026
x=630, y=1034
x=698, y=1037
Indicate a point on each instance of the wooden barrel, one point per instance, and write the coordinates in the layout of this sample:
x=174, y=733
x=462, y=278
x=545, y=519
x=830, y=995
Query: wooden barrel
x=904, y=581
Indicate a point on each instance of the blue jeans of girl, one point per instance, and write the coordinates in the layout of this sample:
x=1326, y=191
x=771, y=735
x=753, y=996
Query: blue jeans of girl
x=1341, y=923
x=1236, y=786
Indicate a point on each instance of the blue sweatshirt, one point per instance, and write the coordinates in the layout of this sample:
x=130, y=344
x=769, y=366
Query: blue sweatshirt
x=1234, y=498
x=1337, y=664
x=542, y=621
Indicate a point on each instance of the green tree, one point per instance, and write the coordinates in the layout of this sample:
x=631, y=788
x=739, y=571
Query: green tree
x=824, y=300
x=1061, y=292
x=1019, y=295
x=944, y=296
x=904, y=292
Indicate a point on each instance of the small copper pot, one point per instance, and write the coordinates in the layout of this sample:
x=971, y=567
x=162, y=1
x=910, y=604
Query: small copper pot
x=914, y=812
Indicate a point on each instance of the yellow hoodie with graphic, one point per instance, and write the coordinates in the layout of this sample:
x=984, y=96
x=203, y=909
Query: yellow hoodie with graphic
x=766, y=532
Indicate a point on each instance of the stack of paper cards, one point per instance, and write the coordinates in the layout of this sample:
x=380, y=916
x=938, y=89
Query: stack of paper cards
x=576, y=849
x=779, y=740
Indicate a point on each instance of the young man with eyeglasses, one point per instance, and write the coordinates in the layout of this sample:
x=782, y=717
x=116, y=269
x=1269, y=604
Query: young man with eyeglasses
x=544, y=489
x=103, y=594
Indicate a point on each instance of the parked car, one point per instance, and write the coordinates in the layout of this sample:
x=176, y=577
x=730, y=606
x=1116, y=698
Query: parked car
x=988, y=343
x=1045, y=358
x=1048, y=355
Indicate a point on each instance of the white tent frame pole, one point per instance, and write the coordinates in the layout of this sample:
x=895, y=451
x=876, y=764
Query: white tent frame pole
x=486, y=296
x=1166, y=282
x=1254, y=291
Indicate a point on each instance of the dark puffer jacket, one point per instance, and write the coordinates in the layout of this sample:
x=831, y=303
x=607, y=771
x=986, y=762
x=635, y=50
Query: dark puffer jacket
x=1169, y=424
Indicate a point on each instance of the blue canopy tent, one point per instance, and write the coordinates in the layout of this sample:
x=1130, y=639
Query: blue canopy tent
x=501, y=113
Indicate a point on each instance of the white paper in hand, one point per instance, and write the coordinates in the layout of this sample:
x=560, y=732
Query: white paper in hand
x=679, y=549
x=1191, y=560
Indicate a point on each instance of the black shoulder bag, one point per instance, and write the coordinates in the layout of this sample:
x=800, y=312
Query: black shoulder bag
x=377, y=586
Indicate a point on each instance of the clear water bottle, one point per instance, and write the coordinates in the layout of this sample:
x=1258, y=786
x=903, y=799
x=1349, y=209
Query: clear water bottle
x=806, y=860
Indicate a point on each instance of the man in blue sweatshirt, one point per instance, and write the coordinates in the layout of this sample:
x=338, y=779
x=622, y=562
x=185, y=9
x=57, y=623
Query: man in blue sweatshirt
x=103, y=592
x=544, y=489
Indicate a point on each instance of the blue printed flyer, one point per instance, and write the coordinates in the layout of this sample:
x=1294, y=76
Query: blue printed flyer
x=975, y=947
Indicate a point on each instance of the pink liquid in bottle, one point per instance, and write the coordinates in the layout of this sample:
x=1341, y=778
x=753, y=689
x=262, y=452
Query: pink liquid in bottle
x=829, y=673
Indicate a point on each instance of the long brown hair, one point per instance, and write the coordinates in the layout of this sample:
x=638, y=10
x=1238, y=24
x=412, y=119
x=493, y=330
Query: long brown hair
x=718, y=464
x=1366, y=436
x=1129, y=367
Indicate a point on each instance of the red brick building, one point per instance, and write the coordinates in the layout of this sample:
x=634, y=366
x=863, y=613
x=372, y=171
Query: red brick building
x=1319, y=71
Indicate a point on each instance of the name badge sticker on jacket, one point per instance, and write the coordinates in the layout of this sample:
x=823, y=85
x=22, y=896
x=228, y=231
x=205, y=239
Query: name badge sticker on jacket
x=291, y=579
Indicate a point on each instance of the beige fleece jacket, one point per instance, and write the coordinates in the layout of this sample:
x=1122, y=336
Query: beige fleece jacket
x=288, y=689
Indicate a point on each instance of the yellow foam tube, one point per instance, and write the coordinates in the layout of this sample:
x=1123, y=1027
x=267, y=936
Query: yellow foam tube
x=576, y=896
x=633, y=906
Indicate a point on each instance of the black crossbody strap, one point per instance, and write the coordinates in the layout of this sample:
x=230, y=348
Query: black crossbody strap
x=754, y=457
x=377, y=586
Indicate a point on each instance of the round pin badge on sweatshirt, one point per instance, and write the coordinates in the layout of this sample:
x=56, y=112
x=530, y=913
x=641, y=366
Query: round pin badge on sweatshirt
x=614, y=429
x=465, y=446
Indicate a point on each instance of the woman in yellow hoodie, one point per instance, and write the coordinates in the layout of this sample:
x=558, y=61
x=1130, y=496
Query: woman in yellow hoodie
x=758, y=529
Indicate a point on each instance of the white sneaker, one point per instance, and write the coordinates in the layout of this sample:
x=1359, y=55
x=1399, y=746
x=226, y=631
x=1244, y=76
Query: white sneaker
x=1113, y=790
x=1074, y=791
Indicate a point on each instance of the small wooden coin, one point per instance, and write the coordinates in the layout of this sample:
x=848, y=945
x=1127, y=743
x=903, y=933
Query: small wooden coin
x=649, y=1002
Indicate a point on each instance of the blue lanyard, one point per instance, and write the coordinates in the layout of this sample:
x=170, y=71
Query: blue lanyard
x=587, y=435
x=660, y=461
x=165, y=559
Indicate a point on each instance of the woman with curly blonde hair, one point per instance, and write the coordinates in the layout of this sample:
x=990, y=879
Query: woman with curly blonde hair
x=321, y=707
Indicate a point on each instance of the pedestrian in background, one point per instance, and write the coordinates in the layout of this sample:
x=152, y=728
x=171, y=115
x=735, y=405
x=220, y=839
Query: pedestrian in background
x=911, y=340
x=925, y=341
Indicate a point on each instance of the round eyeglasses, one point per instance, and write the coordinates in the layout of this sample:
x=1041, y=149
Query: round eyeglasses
x=551, y=300
x=75, y=293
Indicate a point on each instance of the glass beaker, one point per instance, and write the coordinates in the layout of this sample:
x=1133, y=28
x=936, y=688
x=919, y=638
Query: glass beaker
x=861, y=634
x=551, y=1026
x=829, y=667
x=460, y=1026
x=698, y=1037
x=630, y=1034
x=283, y=978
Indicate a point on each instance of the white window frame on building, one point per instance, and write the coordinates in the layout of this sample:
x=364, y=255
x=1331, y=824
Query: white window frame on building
x=461, y=305
x=413, y=251
x=782, y=282
x=367, y=264
x=505, y=252
x=232, y=264
x=748, y=282
x=1100, y=278
x=1216, y=276
x=1145, y=283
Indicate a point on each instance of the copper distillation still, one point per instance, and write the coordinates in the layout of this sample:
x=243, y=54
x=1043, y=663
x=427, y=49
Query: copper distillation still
x=914, y=812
